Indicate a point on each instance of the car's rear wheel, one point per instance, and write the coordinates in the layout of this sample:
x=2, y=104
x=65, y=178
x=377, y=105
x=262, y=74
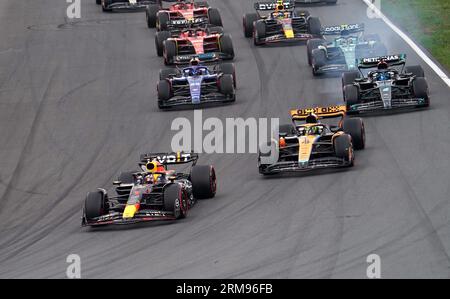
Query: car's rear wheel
x=204, y=181
x=311, y=45
x=170, y=51
x=150, y=13
x=227, y=87
x=105, y=6
x=162, y=21
x=319, y=60
x=126, y=177
x=248, y=21
x=349, y=78
x=343, y=148
x=355, y=128
x=95, y=205
x=214, y=17
x=315, y=27
x=420, y=90
x=228, y=69
x=215, y=30
x=302, y=13
x=351, y=95
x=164, y=92
x=259, y=32
x=174, y=201
x=160, y=38
x=416, y=70
x=167, y=73
x=226, y=46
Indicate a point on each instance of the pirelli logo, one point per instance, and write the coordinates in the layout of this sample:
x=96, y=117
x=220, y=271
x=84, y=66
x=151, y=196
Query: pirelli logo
x=319, y=111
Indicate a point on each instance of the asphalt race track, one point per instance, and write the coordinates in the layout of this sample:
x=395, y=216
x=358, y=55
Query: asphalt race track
x=78, y=105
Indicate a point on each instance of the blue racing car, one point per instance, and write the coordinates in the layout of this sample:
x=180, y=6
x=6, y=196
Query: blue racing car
x=340, y=54
x=196, y=85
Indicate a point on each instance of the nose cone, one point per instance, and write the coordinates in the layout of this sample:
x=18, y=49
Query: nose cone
x=130, y=211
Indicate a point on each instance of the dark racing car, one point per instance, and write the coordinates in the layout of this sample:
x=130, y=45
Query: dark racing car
x=196, y=85
x=281, y=24
x=153, y=193
x=123, y=5
x=387, y=86
x=342, y=52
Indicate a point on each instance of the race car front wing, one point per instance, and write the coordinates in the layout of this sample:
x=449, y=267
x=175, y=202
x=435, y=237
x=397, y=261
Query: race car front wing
x=116, y=218
x=293, y=166
x=179, y=101
x=378, y=105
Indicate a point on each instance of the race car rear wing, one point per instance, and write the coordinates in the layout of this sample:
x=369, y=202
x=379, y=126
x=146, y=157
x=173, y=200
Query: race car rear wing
x=372, y=62
x=320, y=112
x=272, y=5
x=171, y=158
x=344, y=29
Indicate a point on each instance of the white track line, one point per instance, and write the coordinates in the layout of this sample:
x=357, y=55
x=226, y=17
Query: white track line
x=411, y=43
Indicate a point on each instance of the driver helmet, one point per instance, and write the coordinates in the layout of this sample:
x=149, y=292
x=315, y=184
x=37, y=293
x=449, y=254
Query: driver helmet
x=280, y=6
x=312, y=119
x=316, y=130
x=155, y=168
x=195, y=61
x=383, y=65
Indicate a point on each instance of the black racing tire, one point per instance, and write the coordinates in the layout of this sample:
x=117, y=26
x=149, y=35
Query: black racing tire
x=248, y=23
x=167, y=73
x=151, y=15
x=170, y=51
x=126, y=177
x=416, y=70
x=215, y=30
x=420, y=90
x=228, y=69
x=160, y=38
x=226, y=46
x=227, y=85
x=204, y=181
x=173, y=201
x=286, y=130
x=311, y=45
x=314, y=26
x=214, y=17
x=343, y=148
x=351, y=95
x=319, y=59
x=356, y=129
x=95, y=205
x=259, y=32
x=302, y=13
x=164, y=92
x=98, y=2
x=348, y=78
x=162, y=20
x=201, y=4
x=105, y=6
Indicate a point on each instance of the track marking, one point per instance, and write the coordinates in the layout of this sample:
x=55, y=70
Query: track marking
x=411, y=43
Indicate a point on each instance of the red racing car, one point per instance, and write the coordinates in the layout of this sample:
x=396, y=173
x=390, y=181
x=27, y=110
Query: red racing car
x=208, y=44
x=181, y=15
